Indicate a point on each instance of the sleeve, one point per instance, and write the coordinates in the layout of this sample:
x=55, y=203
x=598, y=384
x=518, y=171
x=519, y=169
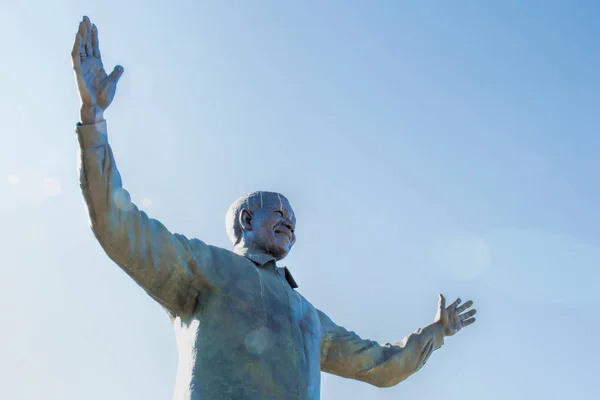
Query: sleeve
x=169, y=267
x=346, y=354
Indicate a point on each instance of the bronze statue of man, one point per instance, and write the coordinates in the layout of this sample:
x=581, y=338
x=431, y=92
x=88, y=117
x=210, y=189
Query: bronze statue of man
x=243, y=331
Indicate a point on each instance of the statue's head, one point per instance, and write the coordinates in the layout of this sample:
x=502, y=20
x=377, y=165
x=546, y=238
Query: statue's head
x=262, y=222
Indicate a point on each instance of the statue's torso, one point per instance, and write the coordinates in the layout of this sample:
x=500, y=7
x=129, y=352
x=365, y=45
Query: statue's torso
x=251, y=337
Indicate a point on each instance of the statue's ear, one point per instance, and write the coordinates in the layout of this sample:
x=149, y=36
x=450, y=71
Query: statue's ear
x=245, y=219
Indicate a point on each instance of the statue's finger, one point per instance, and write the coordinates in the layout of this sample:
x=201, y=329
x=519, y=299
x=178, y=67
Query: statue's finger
x=468, y=314
x=75, y=54
x=88, y=37
x=95, y=41
x=468, y=322
x=87, y=22
x=84, y=49
x=454, y=305
x=464, y=306
x=115, y=75
x=441, y=302
x=82, y=28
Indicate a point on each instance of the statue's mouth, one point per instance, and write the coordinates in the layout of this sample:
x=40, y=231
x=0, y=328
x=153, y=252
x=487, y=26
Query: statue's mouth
x=288, y=235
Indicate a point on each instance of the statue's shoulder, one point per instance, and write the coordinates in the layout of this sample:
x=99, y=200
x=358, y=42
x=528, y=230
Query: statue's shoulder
x=218, y=257
x=222, y=253
x=216, y=263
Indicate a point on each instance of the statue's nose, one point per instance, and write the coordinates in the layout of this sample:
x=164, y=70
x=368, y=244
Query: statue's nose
x=290, y=225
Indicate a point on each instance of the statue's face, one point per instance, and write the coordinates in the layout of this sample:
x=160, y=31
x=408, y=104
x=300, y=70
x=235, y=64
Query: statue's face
x=272, y=226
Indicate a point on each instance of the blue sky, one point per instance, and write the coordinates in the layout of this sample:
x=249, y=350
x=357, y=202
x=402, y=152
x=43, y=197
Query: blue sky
x=426, y=147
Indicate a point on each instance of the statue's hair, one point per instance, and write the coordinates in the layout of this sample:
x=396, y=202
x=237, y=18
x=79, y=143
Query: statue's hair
x=252, y=202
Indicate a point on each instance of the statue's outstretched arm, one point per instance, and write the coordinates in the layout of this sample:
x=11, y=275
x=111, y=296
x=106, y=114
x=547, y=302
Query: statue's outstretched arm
x=346, y=354
x=171, y=268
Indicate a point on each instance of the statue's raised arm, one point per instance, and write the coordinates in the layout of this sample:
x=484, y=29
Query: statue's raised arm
x=168, y=266
x=346, y=354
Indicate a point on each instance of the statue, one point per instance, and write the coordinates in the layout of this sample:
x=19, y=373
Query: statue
x=243, y=330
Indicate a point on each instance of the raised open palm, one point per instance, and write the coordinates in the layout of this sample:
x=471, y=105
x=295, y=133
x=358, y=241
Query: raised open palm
x=453, y=318
x=96, y=88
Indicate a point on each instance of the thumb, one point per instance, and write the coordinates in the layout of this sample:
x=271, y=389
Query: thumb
x=115, y=75
x=442, y=302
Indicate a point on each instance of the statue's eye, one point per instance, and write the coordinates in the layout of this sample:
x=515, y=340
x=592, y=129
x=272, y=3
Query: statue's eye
x=279, y=212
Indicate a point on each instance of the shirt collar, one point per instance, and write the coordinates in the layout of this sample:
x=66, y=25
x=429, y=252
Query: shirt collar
x=257, y=258
x=260, y=259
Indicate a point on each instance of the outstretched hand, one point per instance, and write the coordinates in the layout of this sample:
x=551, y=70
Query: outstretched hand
x=453, y=318
x=96, y=88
